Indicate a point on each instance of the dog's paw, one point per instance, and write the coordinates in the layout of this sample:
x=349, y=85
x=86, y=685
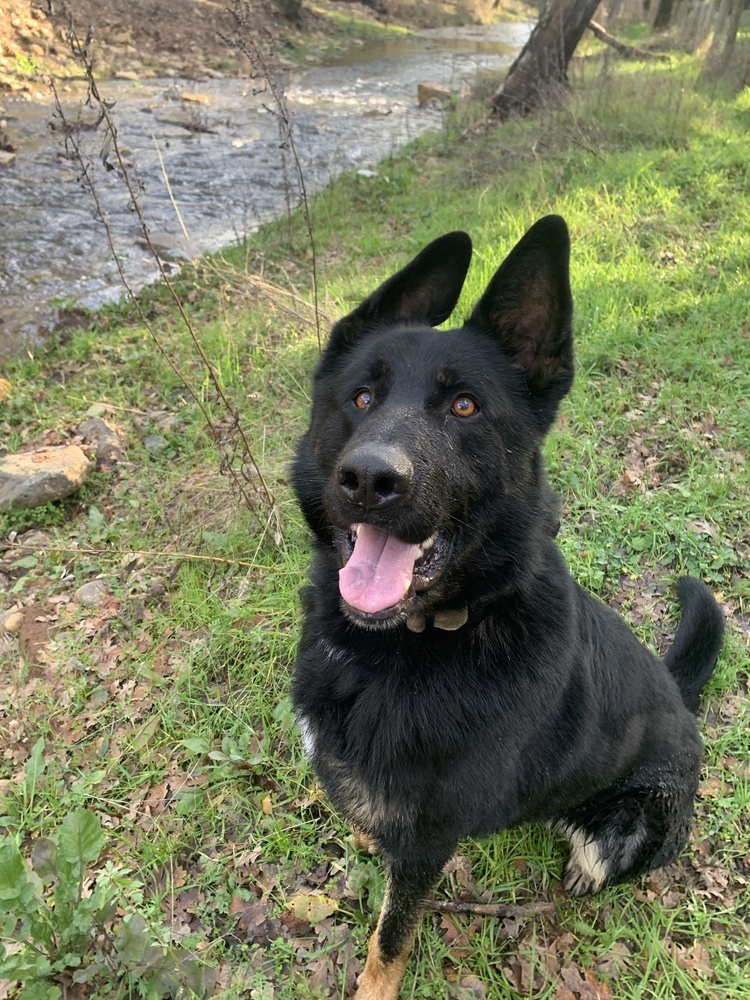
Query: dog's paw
x=587, y=869
x=577, y=882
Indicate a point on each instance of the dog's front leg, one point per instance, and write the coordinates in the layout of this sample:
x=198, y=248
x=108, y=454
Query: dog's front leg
x=408, y=885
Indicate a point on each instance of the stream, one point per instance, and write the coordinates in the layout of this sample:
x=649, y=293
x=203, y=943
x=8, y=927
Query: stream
x=217, y=143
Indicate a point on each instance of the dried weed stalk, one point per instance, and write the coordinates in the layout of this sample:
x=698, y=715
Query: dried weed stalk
x=255, y=42
x=237, y=458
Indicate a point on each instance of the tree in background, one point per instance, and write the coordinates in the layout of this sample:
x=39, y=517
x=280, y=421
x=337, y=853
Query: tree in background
x=726, y=26
x=692, y=23
x=665, y=10
x=541, y=67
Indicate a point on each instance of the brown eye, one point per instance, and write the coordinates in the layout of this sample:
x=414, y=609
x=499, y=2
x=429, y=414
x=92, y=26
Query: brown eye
x=464, y=406
x=363, y=399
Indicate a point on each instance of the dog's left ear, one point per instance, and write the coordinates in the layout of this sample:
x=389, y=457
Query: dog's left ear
x=425, y=292
x=528, y=307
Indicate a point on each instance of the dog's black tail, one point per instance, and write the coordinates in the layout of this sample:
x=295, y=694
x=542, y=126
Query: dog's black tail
x=692, y=656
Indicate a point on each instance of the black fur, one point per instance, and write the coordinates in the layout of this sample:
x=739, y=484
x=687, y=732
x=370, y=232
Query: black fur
x=543, y=705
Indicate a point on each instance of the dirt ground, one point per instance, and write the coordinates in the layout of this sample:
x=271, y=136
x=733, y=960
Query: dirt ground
x=141, y=38
x=190, y=38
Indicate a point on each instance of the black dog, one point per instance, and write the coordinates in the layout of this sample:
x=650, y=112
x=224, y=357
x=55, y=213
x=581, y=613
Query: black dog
x=452, y=678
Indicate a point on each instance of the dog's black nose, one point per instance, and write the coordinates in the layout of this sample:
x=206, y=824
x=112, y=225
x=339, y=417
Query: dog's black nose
x=373, y=475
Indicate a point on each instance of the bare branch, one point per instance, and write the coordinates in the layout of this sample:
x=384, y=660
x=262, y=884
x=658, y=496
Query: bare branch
x=492, y=909
x=625, y=50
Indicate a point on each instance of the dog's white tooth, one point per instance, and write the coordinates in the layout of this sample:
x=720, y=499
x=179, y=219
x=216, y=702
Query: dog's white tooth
x=426, y=546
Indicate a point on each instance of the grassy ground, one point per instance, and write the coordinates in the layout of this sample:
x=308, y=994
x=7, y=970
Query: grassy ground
x=152, y=774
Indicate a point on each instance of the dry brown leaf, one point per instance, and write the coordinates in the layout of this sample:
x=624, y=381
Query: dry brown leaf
x=312, y=907
x=697, y=961
x=470, y=988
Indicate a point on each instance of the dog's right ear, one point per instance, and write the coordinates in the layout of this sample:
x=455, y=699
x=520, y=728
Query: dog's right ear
x=425, y=292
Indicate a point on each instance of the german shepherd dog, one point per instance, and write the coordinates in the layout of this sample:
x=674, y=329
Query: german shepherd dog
x=452, y=678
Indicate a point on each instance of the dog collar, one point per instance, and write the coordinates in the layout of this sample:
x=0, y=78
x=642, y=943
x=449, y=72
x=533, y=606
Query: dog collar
x=449, y=619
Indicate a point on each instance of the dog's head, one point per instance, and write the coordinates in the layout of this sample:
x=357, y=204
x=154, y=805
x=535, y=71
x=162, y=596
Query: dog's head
x=421, y=466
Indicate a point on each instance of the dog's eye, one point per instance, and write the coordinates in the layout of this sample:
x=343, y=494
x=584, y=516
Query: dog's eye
x=464, y=406
x=363, y=399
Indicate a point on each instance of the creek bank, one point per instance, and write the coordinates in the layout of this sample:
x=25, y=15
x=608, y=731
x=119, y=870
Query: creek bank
x=215, y=145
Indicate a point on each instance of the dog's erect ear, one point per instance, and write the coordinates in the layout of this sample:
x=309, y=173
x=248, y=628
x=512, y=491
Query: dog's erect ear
x=424, y=292
x=528, y=307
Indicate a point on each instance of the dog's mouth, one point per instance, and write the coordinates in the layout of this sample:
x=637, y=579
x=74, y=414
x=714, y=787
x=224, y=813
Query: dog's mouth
x=382, y=575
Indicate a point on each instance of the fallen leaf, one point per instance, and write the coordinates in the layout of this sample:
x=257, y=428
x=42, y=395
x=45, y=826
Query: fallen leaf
x=469, y=988
x=312, y=907
x=697, y=960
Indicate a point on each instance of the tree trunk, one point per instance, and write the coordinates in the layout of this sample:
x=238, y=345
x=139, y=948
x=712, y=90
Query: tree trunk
x=663, y=15
x=695, y=26
x=719, y=54
x=541, y=66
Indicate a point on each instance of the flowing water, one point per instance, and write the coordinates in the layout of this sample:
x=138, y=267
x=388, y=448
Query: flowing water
x=218, y=151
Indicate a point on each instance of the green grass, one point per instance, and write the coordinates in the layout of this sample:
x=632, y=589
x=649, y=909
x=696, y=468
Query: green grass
x=166, y=709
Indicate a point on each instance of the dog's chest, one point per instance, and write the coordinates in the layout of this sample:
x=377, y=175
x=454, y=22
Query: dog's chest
x=361, y=704
x=382, y=735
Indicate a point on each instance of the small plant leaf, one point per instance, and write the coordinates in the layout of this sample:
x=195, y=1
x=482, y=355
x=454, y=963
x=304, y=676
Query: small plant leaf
x=12, y=871
x=97, y=524
x=33, y=769
x=132, y=940
x=285, y=716
x=18, y=896
x=25, y=562
x=80, y=837
x=88, y=972
x=44, y=859
x=40, y=990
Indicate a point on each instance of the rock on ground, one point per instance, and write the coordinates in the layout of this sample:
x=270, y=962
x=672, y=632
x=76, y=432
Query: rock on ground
x=109, y=446
x=34, y=478
x=92, y=593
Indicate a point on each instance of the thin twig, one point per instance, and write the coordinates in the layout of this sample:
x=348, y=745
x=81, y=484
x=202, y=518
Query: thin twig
x=172, y=198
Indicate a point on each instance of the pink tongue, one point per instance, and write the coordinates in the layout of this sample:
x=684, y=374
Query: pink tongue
x=379, y=570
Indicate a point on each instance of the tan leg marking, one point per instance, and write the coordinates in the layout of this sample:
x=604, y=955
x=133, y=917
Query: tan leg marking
x=363, y=842
x=381, y=980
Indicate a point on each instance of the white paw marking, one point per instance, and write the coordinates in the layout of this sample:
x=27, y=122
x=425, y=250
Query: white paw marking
x=306, y=735
x=586, y=870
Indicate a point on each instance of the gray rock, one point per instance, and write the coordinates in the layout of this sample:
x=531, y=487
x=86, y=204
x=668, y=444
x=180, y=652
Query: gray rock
x=97, y=410
x=167, y=246
x=155, y=443
x=34, y=539
x=92, y=593
x=432, y=93
x=108, y=444
x=35, y=478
